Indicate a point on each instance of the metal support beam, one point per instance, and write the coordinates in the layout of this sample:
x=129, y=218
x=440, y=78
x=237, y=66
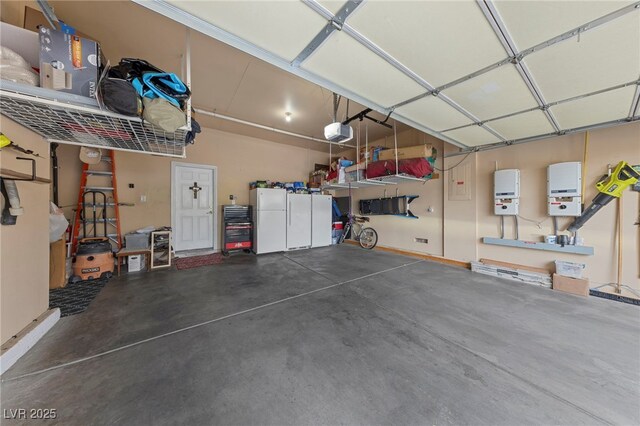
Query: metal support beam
x=335, y=24
x=363, y=114
x=562, y=101
x=476, y=120
x=347, y=29
x=271, y=129
x=494, y=19
x=546, y=135
x=48, y=13
x=518, y=56
x=175, y=13
x=635, y=103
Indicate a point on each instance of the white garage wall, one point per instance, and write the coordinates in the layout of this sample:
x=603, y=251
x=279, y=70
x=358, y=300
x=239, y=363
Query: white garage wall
x=24, y=247
x=606, y=146
x=398, y=232
x=240, y=160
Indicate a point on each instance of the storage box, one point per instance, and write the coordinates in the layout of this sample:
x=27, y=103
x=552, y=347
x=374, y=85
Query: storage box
x=135, y=263
x=57, y=264
x=571, y=285
x=359, y=166
x=370, y=155
x=69, y=63
x=135, y=240
x=317, y=178
x=418, y=151
x=569, y=269
x=354, y=176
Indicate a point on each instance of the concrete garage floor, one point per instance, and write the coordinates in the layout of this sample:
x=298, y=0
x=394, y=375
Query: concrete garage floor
x=335, y=335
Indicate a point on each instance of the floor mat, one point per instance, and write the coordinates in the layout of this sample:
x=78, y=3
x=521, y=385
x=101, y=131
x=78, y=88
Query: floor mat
x=75, y=298
x=197, y=261
x=193, y=253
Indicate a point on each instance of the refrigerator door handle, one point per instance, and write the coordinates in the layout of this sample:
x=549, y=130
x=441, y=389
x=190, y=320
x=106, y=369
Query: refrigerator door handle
x=289, y=212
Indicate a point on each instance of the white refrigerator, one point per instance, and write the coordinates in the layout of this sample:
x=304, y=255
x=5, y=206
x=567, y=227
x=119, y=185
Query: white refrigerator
x=269, y=219
x=321, y=215
x=298, y=221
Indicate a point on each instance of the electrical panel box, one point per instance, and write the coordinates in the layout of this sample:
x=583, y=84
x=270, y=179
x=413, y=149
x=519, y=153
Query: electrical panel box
x=564, y=189
x=506, y=192
x=460, y=183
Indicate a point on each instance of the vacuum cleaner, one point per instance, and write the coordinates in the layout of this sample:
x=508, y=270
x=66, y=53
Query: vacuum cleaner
x=94, y=257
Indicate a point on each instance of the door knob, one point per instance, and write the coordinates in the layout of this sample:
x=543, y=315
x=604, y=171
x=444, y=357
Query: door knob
x=210, y=212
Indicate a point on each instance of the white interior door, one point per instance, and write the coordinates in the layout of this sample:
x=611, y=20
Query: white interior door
x=194, y=207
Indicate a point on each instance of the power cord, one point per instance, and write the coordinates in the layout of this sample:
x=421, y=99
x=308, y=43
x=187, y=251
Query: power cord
x=538, y=223
x=457, y=164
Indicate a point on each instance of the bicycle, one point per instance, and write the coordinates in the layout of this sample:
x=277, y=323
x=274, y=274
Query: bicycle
x=367, y=237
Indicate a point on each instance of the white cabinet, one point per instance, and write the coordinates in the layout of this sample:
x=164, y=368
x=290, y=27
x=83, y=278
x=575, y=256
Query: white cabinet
x=298, y=221
x=321, y=207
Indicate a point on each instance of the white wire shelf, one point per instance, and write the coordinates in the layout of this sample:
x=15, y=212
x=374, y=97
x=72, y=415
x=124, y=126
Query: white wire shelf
x=396, y=179
x=378, y=181
x=77, y=120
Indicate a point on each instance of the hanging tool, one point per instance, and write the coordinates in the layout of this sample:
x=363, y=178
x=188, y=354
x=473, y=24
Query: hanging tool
x=610, y=187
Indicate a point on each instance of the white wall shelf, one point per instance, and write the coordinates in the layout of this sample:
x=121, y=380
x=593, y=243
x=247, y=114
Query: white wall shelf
x=587, y=251
x=77, y=120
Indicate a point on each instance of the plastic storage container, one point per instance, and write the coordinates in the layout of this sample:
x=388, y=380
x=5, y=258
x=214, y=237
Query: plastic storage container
x=569, y=269
x=135, y=240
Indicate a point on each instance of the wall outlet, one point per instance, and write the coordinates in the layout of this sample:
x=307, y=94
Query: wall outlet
x=143, y=198
x=421, y=240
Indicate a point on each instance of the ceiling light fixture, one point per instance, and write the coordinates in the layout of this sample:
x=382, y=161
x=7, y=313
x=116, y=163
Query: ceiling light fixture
x=287, y=116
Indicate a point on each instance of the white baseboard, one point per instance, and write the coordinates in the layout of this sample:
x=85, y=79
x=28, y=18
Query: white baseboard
x=20, y=344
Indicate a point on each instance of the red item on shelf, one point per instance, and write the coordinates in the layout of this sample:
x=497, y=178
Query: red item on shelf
x=418, y=167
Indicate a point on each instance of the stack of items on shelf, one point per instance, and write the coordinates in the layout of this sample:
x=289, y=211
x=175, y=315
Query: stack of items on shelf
x=297, y=187
x=68, y=62
x=71, y=63
x=317, y=178
x=135, y=87
x=417, y=161
x=338, y=171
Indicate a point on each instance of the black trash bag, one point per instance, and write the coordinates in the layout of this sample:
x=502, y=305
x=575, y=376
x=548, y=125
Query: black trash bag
x=119, y=95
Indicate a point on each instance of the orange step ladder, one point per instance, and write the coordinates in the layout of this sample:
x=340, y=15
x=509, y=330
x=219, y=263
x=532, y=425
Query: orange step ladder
x=111, y=191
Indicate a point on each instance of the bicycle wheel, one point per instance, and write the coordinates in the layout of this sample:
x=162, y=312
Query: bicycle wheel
x=368, y=238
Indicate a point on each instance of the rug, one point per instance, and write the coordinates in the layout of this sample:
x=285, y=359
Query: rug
x=75, y=298
x=197, y=261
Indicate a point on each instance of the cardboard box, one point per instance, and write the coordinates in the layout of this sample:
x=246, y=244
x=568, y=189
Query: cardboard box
x=370, y=155
x=417, y=151
x=317, y=179
x=569, y=269
x=34, y=19
x=579, y=286
x=359, y=166
x=57, y=264
x=136, y=263
x=69, y=63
